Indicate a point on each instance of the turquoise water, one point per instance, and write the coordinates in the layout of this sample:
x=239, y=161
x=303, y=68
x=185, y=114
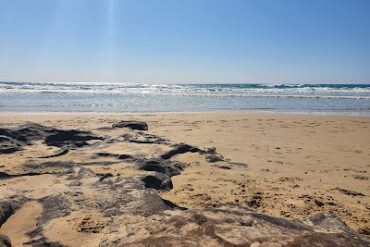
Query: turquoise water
x=342, y=99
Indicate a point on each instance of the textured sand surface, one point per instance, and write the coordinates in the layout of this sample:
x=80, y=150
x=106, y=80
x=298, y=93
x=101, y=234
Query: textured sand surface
x=291, y=166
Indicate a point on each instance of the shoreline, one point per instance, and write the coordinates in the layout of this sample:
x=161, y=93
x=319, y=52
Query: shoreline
x=231, y=112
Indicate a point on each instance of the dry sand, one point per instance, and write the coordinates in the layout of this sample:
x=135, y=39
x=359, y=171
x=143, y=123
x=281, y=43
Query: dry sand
x=284, y=165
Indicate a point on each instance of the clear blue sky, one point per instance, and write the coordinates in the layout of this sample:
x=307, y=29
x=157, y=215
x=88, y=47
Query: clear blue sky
x=185, y=41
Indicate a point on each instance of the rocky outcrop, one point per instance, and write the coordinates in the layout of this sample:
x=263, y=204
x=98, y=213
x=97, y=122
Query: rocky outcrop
x=72, y=138
x=88, y=199
x=13, y=139
x=180, y=149
x=230, y=226
x=158, y=181
x=8, y=145
x=134, y=125
x=161, y=166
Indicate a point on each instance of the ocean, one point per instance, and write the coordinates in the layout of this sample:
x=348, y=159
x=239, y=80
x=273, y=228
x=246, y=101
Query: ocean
x=339, y=99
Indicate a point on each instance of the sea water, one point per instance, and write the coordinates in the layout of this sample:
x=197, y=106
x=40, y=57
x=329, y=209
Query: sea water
x=341, y=99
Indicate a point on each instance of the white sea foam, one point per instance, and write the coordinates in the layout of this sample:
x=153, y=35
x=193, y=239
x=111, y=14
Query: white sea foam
x=75, y=96
x=209, y=90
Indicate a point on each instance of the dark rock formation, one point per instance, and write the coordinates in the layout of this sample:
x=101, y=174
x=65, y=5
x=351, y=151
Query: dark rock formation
x=158, y=181
x=61, y=152
x=135, y=125
x=127, y=196
x=7, y=208
x=27, y=132
x=13, y=139
x=180, y=149
x=214, y=157
x=44, y=242
x=8, y=145
x=255, y=201
x=169, y=168
x=54, y=207
x=73, y=138
x=4, y=241
x=350, y=192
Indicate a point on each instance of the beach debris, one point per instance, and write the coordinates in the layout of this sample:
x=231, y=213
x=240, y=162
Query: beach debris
x=134, y=125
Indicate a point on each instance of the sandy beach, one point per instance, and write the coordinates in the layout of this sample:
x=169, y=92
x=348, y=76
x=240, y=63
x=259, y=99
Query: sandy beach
x=284, y=165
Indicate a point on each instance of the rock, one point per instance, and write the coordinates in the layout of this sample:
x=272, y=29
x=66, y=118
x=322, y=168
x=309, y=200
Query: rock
x=255, y=201
x=128, y=196
x=54, y=207
x=4, y=241
x=224, y=167
x=74, y=183
x=134, y=125
x=144, y=138
x=12, y=139
x=169, y=168
x=125, y=157
x=27, y=132
x=8, y=207
x=180, y=149
x=350, y=192
x=6, y=210
x=5, y=175
x=319, y=239
x=214, y=157
x=8, y=145
x=73, y=138
x=44, y=242
x=103, y=176
x=158, y=181
x=364, y=230
x=319, y=203
x=50, y=167
x=328, y=222
x=61, y=152
x=105, y=154
x=228, y=226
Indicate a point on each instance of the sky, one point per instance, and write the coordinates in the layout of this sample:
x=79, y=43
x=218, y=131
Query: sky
x=188, y=41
